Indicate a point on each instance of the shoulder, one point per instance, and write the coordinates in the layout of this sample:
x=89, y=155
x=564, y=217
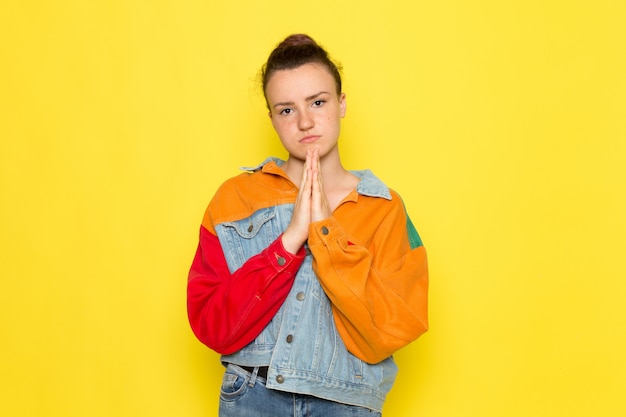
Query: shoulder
x=385, y=204
x=262, y=182
x=240, y=196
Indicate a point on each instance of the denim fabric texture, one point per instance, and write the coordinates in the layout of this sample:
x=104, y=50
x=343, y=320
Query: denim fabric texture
x=245, y=394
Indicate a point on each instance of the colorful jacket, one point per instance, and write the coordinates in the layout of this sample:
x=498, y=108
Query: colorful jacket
x=326, y=320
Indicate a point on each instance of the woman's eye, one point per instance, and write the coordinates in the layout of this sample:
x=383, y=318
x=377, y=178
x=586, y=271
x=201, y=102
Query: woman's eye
x=318, y=103
x=285, y=111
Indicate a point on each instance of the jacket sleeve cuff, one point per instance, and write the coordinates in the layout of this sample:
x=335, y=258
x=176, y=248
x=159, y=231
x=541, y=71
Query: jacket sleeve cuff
x=281, y=259
x=324, y=231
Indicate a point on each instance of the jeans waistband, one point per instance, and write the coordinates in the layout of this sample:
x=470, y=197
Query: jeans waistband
x=261, y=373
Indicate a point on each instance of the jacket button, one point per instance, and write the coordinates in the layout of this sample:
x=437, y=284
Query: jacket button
x=281, y=261
x=280, y=379
x=300, y=296
x=324, y=230
x=289, y=338
x=250, y=228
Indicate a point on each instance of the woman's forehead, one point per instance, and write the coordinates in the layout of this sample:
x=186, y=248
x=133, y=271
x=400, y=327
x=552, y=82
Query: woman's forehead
x=300, y=82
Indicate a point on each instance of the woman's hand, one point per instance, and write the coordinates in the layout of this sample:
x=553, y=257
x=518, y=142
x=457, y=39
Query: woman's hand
x=320, y=208
x=311, y=204
x=298, y=230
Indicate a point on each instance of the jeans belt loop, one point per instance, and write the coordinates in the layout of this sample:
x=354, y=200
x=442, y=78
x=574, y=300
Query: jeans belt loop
x=255, y=372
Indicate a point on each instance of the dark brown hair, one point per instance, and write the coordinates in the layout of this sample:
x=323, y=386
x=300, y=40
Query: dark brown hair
x=295, y=51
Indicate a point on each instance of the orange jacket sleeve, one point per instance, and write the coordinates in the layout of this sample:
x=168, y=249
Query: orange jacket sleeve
x=376, y=276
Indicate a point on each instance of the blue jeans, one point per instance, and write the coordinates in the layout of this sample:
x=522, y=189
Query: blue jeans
x=243, y=394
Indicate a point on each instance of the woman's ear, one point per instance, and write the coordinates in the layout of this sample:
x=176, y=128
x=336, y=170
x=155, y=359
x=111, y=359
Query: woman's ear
x=342, y=104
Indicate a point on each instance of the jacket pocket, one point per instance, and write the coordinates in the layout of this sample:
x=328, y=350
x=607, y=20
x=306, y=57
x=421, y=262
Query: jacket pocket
x=245, y=238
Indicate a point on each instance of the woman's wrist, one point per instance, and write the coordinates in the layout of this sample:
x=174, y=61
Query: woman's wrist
x=291, y=243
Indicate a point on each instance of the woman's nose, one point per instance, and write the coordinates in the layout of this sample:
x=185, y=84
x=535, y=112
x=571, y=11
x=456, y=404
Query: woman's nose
x=305, y=121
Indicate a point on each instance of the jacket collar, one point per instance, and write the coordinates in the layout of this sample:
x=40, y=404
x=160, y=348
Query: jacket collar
x=369, y=185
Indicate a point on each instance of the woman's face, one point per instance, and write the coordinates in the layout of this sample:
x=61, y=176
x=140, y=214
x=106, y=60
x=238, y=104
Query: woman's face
x=305, y=109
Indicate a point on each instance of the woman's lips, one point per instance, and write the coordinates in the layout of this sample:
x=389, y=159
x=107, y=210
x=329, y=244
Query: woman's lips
x=309, y=139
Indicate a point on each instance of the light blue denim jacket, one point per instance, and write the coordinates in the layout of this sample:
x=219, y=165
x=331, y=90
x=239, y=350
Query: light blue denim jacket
x=301, y=345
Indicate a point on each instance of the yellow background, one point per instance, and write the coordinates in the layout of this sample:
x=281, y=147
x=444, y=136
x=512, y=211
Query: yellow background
x=502, y=124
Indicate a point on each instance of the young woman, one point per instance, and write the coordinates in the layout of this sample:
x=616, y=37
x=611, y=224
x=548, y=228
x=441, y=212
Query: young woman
x=307, y=277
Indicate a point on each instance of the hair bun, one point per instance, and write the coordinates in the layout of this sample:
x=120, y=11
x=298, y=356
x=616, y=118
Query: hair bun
x=298, y=39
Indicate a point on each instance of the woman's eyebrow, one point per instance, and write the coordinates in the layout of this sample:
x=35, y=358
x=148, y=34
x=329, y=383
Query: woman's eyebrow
x=291, y=103
x=314, y=96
